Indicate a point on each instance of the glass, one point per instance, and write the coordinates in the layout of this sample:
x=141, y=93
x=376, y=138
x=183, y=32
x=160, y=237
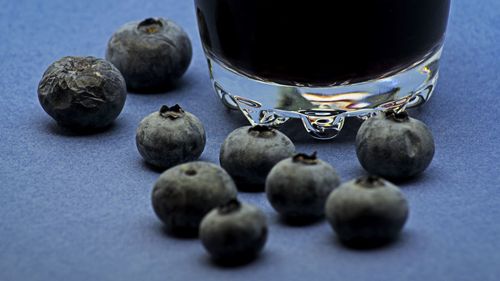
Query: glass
x=322, y=60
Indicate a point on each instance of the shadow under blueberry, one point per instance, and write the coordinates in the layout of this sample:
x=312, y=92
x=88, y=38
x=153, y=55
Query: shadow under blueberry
x=59, y=130
x=420, y=179
x=254, y=189
x=408, y=181
x=177, y=234
x=376, y=245
x=298, y=222
x=146, y=166
x=206, y=259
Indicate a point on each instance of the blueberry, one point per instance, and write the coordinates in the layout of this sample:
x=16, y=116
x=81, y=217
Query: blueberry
x=184, y=194
x=170, y=137
x=368, y=211
x=297, y=187
x=234, y=232
x=393, y=145
x=249, y=153
x=151, y=54
x=82, y=92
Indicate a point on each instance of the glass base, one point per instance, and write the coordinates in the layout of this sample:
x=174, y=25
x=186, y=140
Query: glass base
x=323, y=109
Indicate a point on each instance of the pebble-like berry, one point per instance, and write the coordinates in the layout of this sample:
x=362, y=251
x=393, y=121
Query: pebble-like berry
x=184, y=194
x=170, y=137
x=249, y=153
x=368, y=211
x=394, y=146
x=151, y=54
x=298, y=187
x=234, y=232
x=82, y=93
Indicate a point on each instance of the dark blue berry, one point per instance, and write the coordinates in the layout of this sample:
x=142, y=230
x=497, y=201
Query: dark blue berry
x=234, y=232
x=170, y=137
x=393, y=145
x=184, y=194
x=249, y=153
x=151, y=54
x=297, y=187
x=368, y=211
x=82, y=92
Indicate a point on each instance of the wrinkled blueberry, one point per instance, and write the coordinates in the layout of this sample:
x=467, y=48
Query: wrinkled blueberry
x=151, y=54
x=297, y=187
x=184, y=194
x=393, y=145
x=368, y=211
x=234, y=232
x=249, y=153
x=170, y=137
x=82, y=92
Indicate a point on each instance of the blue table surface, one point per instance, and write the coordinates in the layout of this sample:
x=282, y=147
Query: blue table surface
x=78, y=207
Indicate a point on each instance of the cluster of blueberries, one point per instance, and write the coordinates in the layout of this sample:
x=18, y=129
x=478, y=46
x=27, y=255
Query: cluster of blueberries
x=199, y=198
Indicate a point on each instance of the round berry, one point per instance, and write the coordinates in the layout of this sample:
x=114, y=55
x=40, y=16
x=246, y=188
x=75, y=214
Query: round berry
x=367, y=211
x=297, y=187
x=234, y=232
x=151, y=54
x=184, y=194
x=393, y=145
x=249, y=153
x=82, y=92
x=170, y=137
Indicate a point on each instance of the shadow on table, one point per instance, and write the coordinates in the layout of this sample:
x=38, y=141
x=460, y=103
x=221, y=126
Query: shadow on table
x=53, y=128
x=422, y=179
x=206, y=260
x=181, y=235
x=400, y=241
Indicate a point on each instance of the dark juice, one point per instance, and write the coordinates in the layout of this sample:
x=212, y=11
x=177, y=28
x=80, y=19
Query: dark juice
x=321, y=42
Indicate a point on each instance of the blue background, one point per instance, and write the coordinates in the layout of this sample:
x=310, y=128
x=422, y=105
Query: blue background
x=78, y=207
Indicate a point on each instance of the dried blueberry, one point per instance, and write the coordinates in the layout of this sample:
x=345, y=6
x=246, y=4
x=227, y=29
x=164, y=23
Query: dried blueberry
x=151, y=54
x=234, y=232
x=368, y=211
x=297, y=187
x=393, y=145
x=82, y=92
x=249, y=153
x=184, y=194
x=170, y=137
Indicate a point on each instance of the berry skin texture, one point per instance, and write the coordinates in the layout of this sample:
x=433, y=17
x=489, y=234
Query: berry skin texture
x=151, y=54
x=368, y=211
x=395, y=146
x=82, y=93
x=249, y=153
x=170, y=137
x=234, y=232
x=298, y=187
x=184, y=194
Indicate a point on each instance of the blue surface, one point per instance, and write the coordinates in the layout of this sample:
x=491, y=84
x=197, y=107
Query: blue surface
x=78, y=207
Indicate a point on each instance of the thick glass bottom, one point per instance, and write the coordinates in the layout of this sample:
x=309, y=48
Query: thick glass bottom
x=323, y=109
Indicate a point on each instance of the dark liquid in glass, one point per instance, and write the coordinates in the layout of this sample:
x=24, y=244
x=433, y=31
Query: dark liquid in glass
x=321, y=42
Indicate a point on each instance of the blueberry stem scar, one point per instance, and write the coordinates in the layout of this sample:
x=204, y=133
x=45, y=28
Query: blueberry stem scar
x=230, y=207
x=190, y=172
x=370, y=181
x=150, y=25
x=261, y=131
x=173, y=112
x=306, y=159
x=398, y=116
